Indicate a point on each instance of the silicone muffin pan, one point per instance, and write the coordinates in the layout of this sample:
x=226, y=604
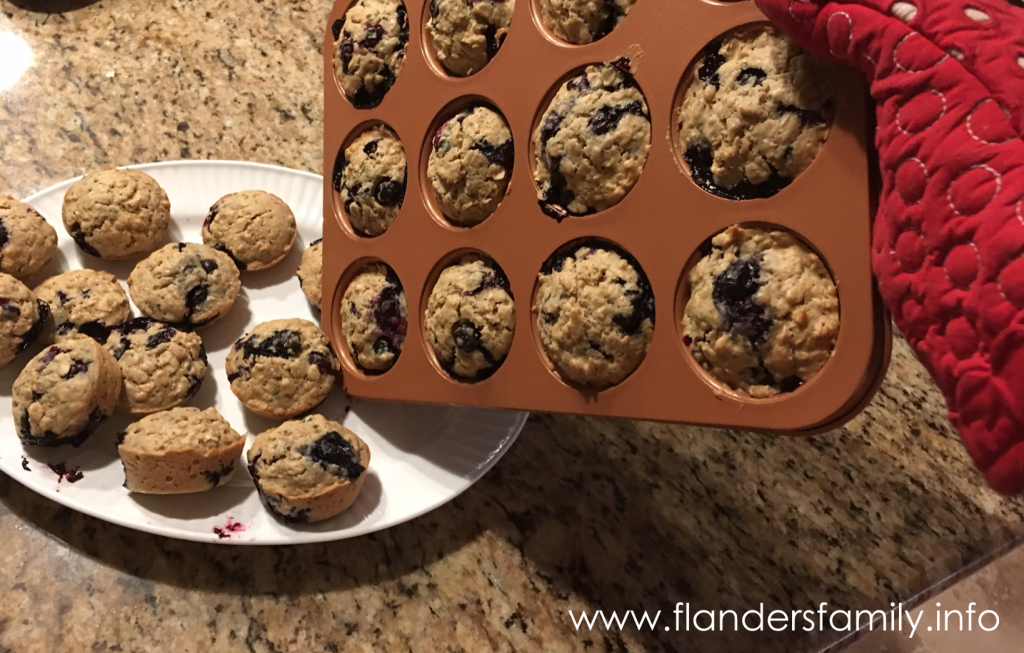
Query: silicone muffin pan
x=662, y=222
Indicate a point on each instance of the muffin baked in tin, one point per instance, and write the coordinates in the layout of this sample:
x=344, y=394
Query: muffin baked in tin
x=369, y=49
x=583, y=21
x=595, y=313
x=763, y=312
x=374, y=318
x=470, y=318
x=371, y=179
x=755, y=115
x=467, y=35
x=592, y=141
x=470, y=165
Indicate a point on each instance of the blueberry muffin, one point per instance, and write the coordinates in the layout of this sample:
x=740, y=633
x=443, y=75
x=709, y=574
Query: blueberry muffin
x=467, y=35
x=374, y=318
x=756, y=113
x=471, y=318
x=22, y=317
x=83, y=301
x=116, y=214
x=369, y=49
x=253, y=227
x=162, y=366
x=592, y=141
x=470, y=165
x=583, y=21
x=185, y=283
x=310, y=272
x=595, y=314
x=65, y=393
x=371, y=180
x=763, y=313
x=282, y=368
x=27, y=241
x=179, y=451
x=308, y=470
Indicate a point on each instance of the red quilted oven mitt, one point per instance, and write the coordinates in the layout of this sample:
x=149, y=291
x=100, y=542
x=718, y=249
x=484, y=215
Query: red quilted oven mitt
x=948, y=243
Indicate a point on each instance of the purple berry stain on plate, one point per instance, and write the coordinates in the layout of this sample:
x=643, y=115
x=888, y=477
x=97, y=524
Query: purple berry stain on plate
x=24, y=464
x=230, y=528
x=72, y=475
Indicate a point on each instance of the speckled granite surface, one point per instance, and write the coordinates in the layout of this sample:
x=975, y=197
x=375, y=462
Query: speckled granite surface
x=582, y=513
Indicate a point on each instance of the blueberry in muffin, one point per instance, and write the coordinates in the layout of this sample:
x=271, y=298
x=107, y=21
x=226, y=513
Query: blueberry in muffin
x=595, y=313
x=763, y=313
x=65, y=393
x=282, y=368
x=369, y=49
x=371, y=180
x=592, y=141
x=308, y=470
x=782, y=94
x=374, y=318
x=470, y=165
x=22, y=317
x=470, y=318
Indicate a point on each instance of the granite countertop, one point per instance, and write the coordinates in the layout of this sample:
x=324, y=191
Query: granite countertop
x=582, y=513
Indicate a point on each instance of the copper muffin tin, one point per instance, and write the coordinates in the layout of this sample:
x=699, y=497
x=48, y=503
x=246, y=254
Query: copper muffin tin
x=662, y=222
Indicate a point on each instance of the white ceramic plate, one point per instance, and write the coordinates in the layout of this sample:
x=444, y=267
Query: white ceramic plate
x=422, y=456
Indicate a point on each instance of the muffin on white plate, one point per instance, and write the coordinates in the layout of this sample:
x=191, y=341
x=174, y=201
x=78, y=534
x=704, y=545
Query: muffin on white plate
x=22, y=317
x=27, y=241
x=308, y=470
x=179, y=451
x=116, y=214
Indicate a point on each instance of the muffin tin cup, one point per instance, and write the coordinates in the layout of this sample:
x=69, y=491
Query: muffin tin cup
x=662, y=221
